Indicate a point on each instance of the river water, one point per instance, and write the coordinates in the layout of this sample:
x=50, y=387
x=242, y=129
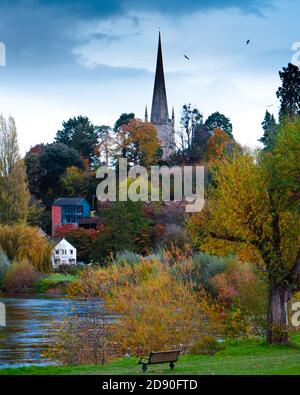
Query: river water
x=27, y=322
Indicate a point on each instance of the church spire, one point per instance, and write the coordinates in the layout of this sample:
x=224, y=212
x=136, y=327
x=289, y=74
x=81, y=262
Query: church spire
x=159, y=112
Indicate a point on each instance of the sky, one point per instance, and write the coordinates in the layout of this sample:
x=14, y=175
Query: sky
x=97, y=58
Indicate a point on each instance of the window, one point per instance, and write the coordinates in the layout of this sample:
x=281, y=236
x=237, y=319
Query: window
x=56, y=252
x=71, y=252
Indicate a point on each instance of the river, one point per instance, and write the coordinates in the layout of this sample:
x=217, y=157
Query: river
x=27, y=322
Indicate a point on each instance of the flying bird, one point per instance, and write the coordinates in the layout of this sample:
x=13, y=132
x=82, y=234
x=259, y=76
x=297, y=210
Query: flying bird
x=187, y=57
x=248, y=42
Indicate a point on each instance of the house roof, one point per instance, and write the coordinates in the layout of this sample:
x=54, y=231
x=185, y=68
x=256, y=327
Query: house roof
x=68, y=201
x=64, y=244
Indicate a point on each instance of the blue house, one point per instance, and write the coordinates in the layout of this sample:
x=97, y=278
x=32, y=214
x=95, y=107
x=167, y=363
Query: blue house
x=69, y=212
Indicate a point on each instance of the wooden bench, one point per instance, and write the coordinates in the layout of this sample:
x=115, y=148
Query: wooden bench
x=160, y=357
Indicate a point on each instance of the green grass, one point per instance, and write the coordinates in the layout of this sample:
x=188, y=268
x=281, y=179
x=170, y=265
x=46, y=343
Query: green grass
x=59, y=277
x=249, y=357
x=52, y=281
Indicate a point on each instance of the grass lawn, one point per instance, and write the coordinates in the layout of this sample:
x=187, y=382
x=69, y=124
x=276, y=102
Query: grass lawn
x=53, y=280
x=250, y=357
x=59, y=277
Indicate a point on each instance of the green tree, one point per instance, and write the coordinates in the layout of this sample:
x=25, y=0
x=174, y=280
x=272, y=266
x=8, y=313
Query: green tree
x=79, y=133
x=217, y=120
x=55, y=159
x=270, y=128
x=76, y=182
x=289, y=92
x=123, y=119
x=120, y=216
x=34, y=170
x=14, y=195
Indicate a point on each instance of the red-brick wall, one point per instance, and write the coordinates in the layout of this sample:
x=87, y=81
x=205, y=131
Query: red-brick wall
x=56, y=218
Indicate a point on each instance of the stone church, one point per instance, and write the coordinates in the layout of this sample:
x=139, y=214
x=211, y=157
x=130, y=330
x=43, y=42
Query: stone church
x=159, y=112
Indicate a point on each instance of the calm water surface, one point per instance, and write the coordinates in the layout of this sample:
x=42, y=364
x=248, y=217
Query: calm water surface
x=28, y=320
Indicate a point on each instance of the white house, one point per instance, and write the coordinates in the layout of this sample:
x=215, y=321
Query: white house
x=64, y=254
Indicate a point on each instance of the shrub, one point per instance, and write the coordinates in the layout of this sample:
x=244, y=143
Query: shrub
x=70, y=269
x=243, y=289
x=4, y=266
x=174, y=235
x=82, y=338
x=208, y=345
x=88, y=285
x=127, y=257
x=156, y=311
x=206, y=267
x=21, y=278
x=198, y=270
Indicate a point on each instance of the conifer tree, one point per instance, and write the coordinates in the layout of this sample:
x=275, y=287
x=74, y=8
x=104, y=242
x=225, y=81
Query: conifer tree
x=270, y=127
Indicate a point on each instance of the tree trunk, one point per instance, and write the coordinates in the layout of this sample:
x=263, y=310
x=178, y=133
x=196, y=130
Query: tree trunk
x=277, y=330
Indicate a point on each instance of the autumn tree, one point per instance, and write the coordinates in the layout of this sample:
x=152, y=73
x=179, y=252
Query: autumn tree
x=25, y=243
x=255, y=206
x=105, y=144
x=138, y=143
x=14, y=195
x=76, y=182
x=219, y=145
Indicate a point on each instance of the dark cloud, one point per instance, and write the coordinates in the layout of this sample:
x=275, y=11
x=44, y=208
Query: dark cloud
x=179, y=6
x=43, y=32
x=110, y=7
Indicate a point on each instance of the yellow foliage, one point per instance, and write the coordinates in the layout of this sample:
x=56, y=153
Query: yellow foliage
x=155, y=310
x=238, y=217
x=25, y=243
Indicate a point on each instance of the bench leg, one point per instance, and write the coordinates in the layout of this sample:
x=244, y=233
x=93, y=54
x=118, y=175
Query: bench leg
x=144, y=367
x=172, y=365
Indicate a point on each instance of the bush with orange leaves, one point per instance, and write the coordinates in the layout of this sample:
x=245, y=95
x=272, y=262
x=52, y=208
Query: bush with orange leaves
x=243, y=290
x=155, y=310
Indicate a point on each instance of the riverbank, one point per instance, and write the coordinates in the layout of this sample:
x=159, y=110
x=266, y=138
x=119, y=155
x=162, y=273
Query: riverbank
x=250, y=357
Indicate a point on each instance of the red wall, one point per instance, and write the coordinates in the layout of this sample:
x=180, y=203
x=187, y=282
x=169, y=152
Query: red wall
x=56, y=218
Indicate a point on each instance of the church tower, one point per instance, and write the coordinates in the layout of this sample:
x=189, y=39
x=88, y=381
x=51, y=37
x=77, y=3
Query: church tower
x=159, y=112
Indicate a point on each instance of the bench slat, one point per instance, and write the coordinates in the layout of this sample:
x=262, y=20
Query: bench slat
x=164, y=356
